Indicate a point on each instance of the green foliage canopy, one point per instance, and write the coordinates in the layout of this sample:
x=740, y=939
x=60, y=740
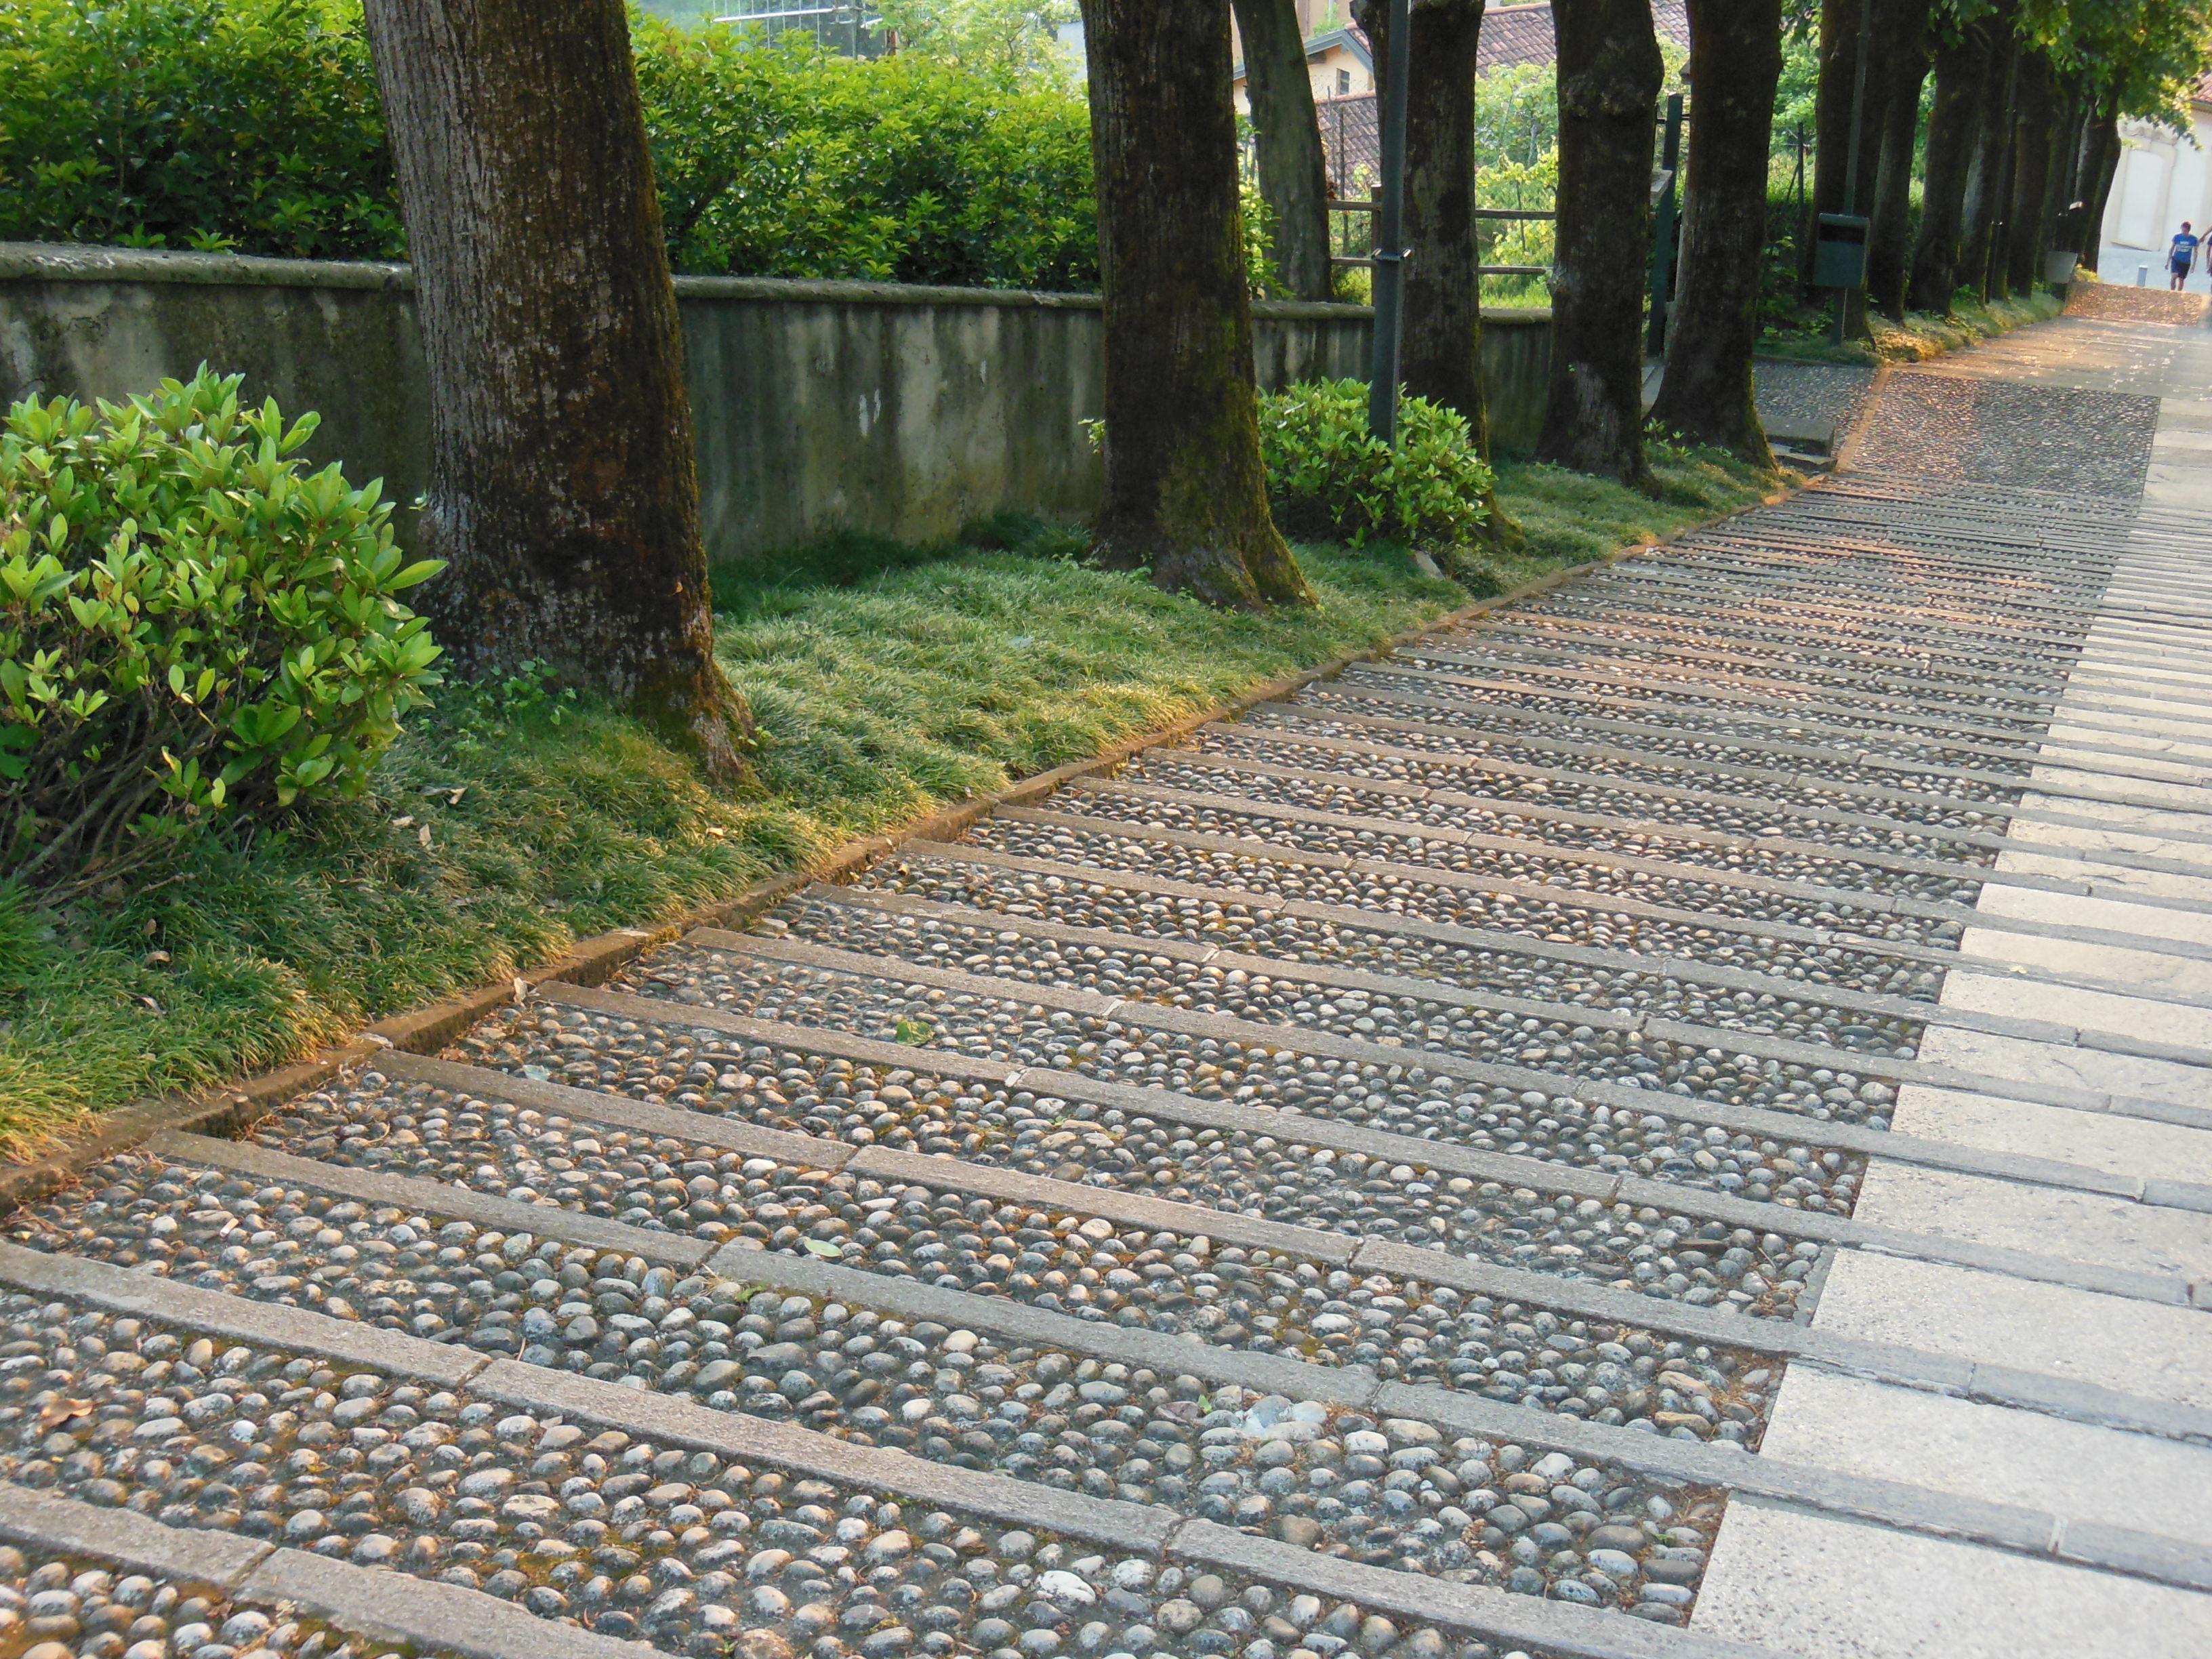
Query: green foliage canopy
x=254, y=125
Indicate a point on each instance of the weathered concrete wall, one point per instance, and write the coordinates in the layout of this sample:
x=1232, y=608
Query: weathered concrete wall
x=902, y=411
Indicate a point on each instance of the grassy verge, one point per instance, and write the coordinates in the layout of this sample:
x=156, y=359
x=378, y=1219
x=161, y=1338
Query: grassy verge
x=1924, y=334
x=507, y=823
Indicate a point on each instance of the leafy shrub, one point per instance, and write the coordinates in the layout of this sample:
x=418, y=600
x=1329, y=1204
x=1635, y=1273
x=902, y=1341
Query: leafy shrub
x=192, y=626
x=255, y=125
x=251, y=125
x=1329, y=478
x=785, y=161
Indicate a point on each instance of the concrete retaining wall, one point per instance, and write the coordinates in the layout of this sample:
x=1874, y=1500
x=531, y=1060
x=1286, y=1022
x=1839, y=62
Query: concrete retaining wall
x=900, y=411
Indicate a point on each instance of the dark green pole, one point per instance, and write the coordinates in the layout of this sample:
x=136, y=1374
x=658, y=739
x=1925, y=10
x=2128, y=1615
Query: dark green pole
x=1389, y=232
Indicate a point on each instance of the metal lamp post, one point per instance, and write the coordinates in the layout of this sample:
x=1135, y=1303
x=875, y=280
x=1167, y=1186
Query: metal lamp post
x=1389, y=235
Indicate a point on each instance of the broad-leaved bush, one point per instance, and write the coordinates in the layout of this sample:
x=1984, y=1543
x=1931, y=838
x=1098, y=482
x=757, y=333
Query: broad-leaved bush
x=194, y=626
x=1331, y=479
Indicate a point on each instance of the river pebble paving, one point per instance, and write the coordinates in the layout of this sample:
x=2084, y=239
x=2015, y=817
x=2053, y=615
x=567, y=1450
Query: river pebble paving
x=694, y=1553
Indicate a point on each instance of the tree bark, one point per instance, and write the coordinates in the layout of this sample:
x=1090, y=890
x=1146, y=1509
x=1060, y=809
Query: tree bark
x=1735, y=60
x=1440, y=351
x=1186, y=493
x=2106, y=134
x=2032, y=144
x=564, y=491
x=1610, y=70
x=1293, y=173
x=1903, y=65
x=1961, y=64
x=1983, y=208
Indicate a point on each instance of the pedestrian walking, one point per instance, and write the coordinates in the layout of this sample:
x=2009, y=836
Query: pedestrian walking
x=2181, y=257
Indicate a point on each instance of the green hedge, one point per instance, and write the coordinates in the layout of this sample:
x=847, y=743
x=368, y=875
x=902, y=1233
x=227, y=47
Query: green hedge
x=254, y=125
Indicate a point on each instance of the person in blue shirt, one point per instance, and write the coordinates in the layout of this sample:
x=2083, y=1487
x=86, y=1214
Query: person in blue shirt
x=2181, y=258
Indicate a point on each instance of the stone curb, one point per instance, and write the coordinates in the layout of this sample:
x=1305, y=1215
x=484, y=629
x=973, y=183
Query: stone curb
x=385, y=1606
x=1559, y=1627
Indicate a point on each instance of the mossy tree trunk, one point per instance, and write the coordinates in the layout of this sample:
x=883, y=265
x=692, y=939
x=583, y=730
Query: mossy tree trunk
x=2098, y=174
x=1609, y=71
x=1902, y=64
x=1440, y=355
x=1735, y=61
x=1980, y=268
x=1186, y=495
x=1961, y=66
x=2036, y=105
x=563, y=489
x=1293, y=171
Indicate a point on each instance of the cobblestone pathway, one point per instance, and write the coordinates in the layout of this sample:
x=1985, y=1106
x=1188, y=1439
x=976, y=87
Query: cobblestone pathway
x=1670, y=1120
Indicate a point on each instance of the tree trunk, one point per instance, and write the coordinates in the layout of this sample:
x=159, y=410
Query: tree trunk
x=1610, y=70
x=1903, y=68
x=1186, y=495
x=1961, y=63
x=2106, y=134
x=1293, y=174
x=1735, y=60
x=1982, y=207
x=2065, y=144
x=1440, y=352
x=563, y=488
x=2024, y=239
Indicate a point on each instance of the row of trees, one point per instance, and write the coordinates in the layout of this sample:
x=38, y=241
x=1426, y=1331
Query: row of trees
x=2021, y=137
x=563, y=493
x=2019, y=152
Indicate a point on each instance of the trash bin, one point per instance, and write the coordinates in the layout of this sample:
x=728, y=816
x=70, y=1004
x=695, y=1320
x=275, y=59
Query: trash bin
x=2058, y=268
x=1839, y=250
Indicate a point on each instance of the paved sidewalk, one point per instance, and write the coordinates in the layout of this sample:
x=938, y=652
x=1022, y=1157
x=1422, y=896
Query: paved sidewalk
x=2137, y=699
x=1668, y=1121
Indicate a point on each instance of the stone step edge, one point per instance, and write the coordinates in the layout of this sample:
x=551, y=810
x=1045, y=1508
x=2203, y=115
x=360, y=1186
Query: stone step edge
x=1989, y=839
x=1983, y=876
x=1759, y=1044
x=1581, y=1298
x=1383, y=870
x=1566, y=639
x=1466, y=881
x=1777, y=750
x=1494, y=649
x=2100, y=760
x=1356, y=783
x=1960, y=916
x=1881, y=904
x=1751, y=690
x=1299, y=712
x=379, y=1603
x=1757, y=709
x=1760, y=580
x=1686, y=968
x=1888, y=1502
x=1562, y=1628
x=1779, y=1126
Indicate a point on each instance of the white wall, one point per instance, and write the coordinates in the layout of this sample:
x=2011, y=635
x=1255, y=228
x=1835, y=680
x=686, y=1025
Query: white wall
x=2162, y=180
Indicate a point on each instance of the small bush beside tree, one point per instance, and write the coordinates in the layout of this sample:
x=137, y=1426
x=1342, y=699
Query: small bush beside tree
x=1330, y=479
x=193, y=627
